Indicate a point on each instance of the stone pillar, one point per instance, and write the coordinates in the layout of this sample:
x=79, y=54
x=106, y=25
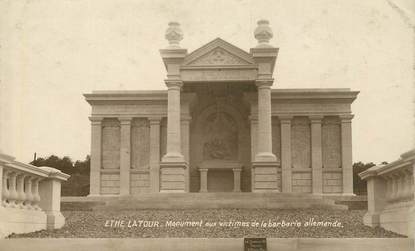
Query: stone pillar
x=376, y=200
x=237, y=179
x=173, y=153
x=96, y=156
x=155, y=154
x=286, y=167
x=254, y=134
x=265, y=164
x=346, y=149
x=264, y=143
x=50, y=194
x=203, y=180
x=173, y=166
x=125, y=155
x=185, y=127
x=316, y=154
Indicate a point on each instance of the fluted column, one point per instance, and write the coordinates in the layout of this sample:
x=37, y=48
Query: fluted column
x=264, y=142
x=173, y=122
x=316, y=154
x=286, y=166
x=125, y=155
x=346, y=148
x=96, y=156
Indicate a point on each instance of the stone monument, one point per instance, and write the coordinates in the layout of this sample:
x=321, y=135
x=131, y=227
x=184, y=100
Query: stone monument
x=220, y=127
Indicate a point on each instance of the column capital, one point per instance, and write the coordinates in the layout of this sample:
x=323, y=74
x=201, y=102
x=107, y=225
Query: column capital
x=253, y=118
x=346, y=117
x=185, y=118
x=125, y=120
x=96, y=120
x=173, y=84
x=154, y=120
x=285, y=119
x=315, y=119
x=264, y=83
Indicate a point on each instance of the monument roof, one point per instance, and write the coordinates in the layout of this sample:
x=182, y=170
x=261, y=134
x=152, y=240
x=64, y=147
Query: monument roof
x=218, y=52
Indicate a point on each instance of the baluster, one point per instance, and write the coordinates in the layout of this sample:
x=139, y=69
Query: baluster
x=21, y=196
x=12, y=189
x=29, y=194
x=5, y=189
x=36, y=195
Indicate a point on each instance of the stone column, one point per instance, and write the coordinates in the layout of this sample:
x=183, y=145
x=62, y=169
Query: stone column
x=286, y=168
x=316, y=154
x=265, y=164
x=125, y=155
x=96, y=156
x=264, y=143
x=185, y=123
x=203, y=180
x=173, y=122
x=346, y=148
x=155, y=154
x=237, y=179
x=173, y=166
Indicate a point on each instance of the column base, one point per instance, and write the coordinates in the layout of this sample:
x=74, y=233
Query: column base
x=265, y=176
x=172, y=177
x=265, y=157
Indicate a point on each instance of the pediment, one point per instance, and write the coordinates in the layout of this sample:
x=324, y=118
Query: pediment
x=218, y=53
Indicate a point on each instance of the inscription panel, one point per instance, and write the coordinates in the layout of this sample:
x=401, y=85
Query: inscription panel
x=331, y=145
x=111, y=144
x=301, y=143
x=140, y=144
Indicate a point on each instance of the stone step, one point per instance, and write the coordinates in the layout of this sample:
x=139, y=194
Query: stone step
x=218, y=200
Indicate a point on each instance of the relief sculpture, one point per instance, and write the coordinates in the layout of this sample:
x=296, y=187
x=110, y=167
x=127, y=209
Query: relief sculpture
x=220, y=137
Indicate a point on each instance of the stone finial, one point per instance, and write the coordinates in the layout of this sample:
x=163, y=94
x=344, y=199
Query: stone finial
x=263, y=33
x=174, y=35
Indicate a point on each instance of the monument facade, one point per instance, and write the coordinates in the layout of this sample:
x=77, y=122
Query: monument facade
x=220, y=127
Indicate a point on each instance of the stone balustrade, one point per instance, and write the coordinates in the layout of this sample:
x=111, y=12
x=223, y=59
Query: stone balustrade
x=30, y=197
x=390, y=188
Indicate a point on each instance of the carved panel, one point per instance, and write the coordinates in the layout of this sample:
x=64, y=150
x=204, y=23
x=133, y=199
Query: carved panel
x=140, y=144
x=331, y=145
x=301, y=143
x=332, y=182
x=219, y=56
x=276, y=137
x=220, y=137
x=111, y=144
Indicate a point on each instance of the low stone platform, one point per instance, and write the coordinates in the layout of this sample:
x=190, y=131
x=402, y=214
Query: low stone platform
x=209, y=201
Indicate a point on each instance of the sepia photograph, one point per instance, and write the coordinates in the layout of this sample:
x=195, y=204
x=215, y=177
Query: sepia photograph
x=233, y=125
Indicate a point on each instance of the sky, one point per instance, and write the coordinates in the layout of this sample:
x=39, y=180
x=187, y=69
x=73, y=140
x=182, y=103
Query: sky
x=51, y=52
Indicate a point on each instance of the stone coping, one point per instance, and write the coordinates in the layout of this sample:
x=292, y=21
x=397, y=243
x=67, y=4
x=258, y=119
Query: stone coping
x=43, y=171
x=405, y=159
x=205, y=244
